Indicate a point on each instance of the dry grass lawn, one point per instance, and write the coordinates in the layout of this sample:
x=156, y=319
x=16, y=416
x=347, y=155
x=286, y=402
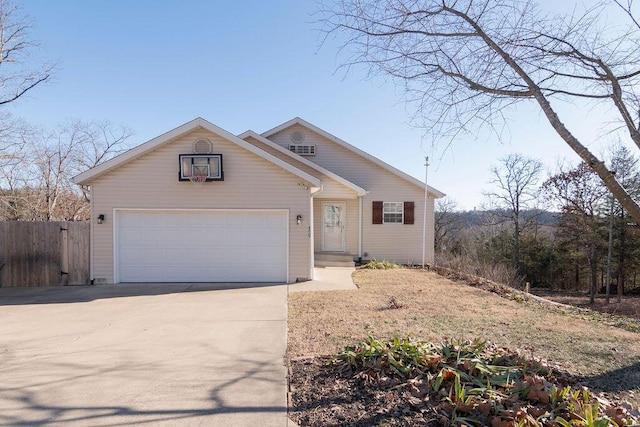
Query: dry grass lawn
x=432, y=307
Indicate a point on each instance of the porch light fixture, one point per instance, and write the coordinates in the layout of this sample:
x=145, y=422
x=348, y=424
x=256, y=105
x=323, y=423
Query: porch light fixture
x=100, y=218
x=298, y=219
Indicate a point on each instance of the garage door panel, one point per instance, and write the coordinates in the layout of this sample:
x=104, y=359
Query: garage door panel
x=209, y=236
x=235, y=220
x=264, y=255
x=272, y=235
x=217, y=221
x=170, y=234
x=275, y=221
x=192, y=258
x=133, y=237
x=202, y=246
x=152, y=220
x=214, y=255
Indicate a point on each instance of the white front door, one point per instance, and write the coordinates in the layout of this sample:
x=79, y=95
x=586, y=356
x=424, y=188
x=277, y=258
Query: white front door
x=333, y=223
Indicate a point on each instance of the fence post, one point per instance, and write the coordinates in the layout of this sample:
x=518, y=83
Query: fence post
x=64, y=252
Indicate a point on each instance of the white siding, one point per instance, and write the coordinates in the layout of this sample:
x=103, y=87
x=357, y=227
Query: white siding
x=331, y=188
x=151, y=181
x=334, y=190
x=396, y=242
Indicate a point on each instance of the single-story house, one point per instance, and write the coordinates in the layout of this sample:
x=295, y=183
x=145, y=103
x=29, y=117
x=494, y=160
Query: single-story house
x=199, y=204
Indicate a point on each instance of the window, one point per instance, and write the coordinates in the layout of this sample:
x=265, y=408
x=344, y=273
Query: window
x=303, y=150
x=209, y=165
x=392, y=212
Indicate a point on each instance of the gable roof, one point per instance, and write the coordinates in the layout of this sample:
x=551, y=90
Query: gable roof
x=299, y=161
x=154, y=143
x=344, y=144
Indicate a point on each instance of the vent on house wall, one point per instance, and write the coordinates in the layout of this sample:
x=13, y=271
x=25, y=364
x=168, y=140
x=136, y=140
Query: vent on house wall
x=297, y=137
x=202, y=146
x=303, y=150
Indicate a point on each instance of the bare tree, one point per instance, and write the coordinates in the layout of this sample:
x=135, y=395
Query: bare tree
x=15, y=177
x=18, y=75
x=446, y=222
x=464, y=62
x=95, y=142
x=14, y=134
x=39, y=186
x=16, y=78
x=516, y=183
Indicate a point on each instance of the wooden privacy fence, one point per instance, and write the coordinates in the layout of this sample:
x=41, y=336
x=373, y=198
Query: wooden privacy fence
x=44, y=253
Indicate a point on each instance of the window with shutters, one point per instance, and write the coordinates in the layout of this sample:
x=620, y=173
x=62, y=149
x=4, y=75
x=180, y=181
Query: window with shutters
x=392, y=212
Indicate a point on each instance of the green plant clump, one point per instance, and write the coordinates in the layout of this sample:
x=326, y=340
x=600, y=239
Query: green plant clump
x=475, y=383
x=381, y=265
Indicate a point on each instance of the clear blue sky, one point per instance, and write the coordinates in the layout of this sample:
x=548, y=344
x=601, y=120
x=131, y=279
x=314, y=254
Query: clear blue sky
x=154, y=65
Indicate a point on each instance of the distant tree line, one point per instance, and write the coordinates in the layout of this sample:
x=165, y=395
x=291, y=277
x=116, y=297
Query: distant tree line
x=564, y=232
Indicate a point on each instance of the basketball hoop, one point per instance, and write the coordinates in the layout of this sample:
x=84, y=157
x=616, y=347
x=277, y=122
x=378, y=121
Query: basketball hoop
x=199, y=173
x=198, y=179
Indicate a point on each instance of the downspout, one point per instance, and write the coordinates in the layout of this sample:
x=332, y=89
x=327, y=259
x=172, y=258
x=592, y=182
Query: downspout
x=312, y=256
x=91, y=237
x=360, y=229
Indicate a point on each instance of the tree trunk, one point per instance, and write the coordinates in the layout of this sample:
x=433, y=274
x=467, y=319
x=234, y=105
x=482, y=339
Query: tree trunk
x=516, y=244
x=620, y=290
x=592, y=278
x=621, y=261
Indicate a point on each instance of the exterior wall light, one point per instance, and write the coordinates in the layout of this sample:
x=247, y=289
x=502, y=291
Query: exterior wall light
x=298, y=219
x=100, y=218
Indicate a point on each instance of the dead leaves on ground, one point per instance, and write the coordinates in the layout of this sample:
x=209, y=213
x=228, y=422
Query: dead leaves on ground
x=407, y=382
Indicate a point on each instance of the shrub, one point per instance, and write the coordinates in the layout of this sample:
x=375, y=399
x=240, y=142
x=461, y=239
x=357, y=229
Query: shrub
x=498, y=273
x=381, y=265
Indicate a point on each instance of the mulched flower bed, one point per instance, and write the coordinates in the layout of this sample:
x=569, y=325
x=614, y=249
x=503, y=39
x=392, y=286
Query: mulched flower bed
x=409, y=383
x=320, y=396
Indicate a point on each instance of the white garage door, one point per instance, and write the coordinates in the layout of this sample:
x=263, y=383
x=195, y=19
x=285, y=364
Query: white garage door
x=201, y=246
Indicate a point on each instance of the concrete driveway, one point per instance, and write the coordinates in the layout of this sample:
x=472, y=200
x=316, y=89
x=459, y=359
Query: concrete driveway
x=143, y=354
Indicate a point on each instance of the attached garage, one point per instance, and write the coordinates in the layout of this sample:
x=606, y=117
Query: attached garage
x=202, y=245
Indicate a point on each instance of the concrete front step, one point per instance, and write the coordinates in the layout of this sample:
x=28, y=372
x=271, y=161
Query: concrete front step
x=332, y=256
x=328, y=259
x=322, y=263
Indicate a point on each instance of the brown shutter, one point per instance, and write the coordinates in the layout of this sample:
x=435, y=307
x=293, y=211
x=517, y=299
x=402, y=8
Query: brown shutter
x=377, y=212
x=408, y=212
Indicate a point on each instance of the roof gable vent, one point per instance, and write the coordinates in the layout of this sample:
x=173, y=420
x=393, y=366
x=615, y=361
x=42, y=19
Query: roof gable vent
x=202, y=146
x=297, y=137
